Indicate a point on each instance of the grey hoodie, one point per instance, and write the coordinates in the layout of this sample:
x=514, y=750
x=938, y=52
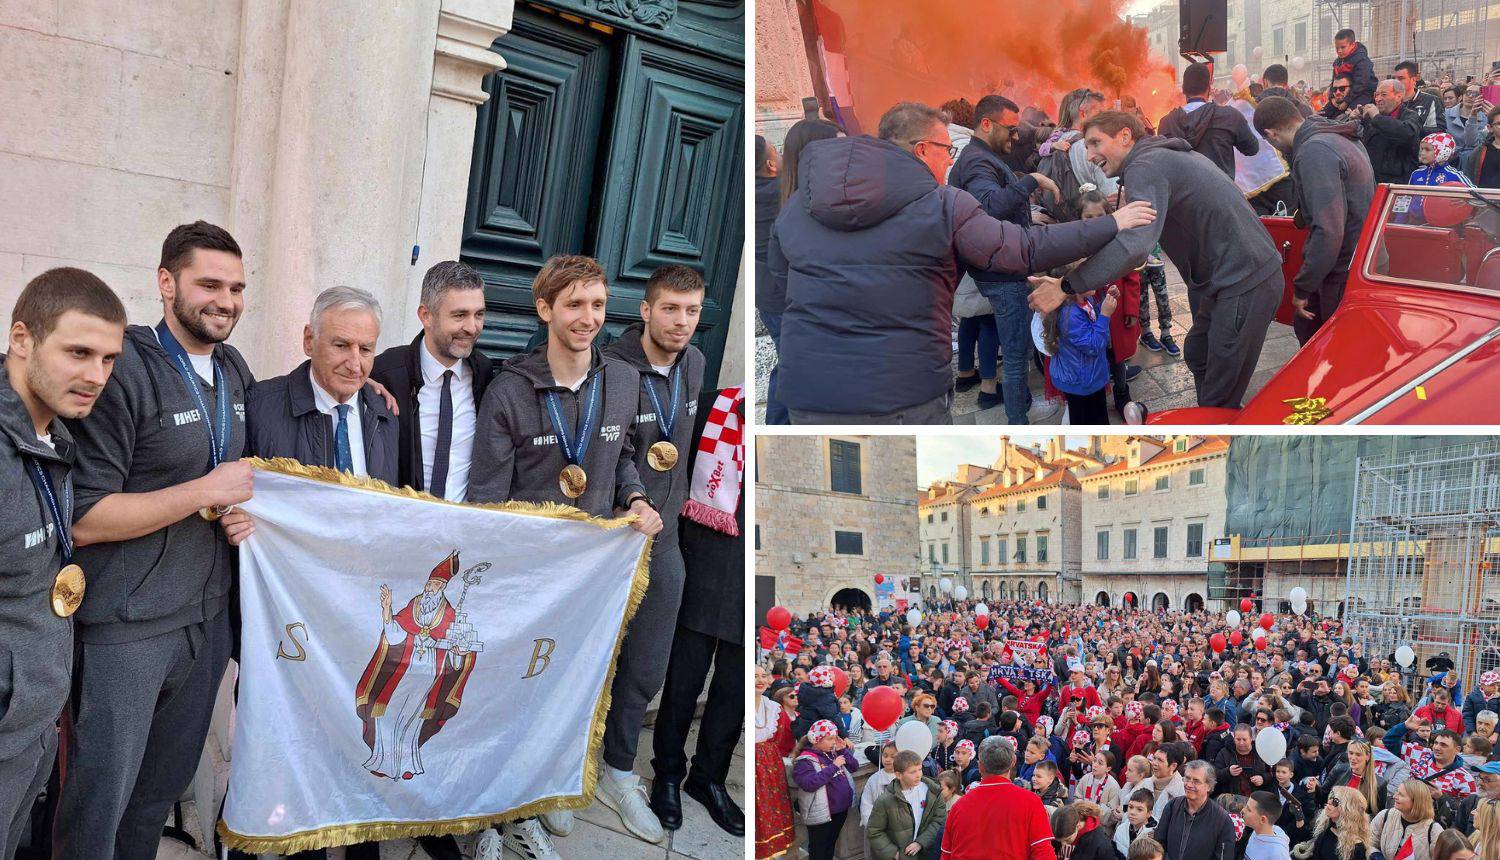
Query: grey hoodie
x=1203, y=223
x=1335, y=185
x=667, y=490
x=36, y=651
x=516, y=453
x=1270, y=846
x=146, y=434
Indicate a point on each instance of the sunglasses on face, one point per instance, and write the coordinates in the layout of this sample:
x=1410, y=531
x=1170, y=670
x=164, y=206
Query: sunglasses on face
x=1333, y=802
x=1339, y=89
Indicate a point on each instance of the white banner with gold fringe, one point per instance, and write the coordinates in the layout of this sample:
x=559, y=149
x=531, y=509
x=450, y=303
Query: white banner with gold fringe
x=411, y=666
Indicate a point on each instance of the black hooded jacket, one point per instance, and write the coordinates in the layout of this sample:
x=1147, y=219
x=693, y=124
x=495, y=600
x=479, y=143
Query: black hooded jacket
x=870, y=249
x=1214, y=130
x=1361, y=74
x=1335, y=185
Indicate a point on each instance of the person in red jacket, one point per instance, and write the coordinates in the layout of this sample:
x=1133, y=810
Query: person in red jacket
x=1193, y=729
x=1137, y=725
x=1029, y=699
x=997, y=818
x=1441, y=713
x=1077, y=688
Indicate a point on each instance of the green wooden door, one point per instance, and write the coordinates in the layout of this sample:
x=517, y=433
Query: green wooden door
x=616, y=130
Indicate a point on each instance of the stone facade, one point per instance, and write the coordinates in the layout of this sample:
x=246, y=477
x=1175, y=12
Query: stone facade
x=782, y=75
x=330, y=138
x=797, y=513
x=1175, y=483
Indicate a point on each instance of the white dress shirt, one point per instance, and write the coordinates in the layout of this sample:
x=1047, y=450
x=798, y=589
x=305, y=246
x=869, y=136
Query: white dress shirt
x=326, y=403
x=429, y=401
x=916, y=798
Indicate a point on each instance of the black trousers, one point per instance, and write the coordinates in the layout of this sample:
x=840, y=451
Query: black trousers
x=723, y=714
x=821, y=838
x=1088, y=408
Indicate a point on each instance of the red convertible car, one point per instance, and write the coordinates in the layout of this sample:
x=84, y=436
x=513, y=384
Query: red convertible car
x=1416, y=339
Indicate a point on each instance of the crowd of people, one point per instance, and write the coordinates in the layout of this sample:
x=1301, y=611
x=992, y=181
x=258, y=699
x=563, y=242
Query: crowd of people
x=976, y=217
x=123, y=457
x=1071, y=731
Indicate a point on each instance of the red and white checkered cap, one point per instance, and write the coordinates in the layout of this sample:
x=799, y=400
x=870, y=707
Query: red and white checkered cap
x=1169, y=707
x=1350, y=671
x=1488, y=678
x=964, y=744
x=1134, y=709
x=1080, y=737
x=960, y=704
x=821, y=676
x=952, y=728
x=820, y=730
x=1095, y=711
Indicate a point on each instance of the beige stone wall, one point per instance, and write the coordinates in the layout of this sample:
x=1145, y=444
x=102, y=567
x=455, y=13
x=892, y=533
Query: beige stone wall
x=797, y=513
x=782, y=78
x=1177, y=588
x=1058, y=521
x=936, y=534
x=1177, y=507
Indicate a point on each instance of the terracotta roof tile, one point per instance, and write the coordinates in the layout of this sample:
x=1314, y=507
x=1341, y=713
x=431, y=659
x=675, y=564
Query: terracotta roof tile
x=1209, y=445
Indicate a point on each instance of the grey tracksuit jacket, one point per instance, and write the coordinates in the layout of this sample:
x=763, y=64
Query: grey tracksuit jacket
x=516, y=451
x=1202, y=221
x=1335, y=185
x=144, y=434
x=667, y=490
x=36, y=645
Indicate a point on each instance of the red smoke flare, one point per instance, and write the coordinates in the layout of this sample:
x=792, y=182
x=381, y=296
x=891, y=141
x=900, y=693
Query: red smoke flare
x=1031, y=52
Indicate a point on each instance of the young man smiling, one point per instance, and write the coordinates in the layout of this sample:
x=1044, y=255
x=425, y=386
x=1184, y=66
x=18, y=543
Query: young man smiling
x=557, y=425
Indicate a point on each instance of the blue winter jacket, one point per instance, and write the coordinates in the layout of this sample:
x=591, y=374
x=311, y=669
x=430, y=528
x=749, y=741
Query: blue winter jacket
x=1081, y=365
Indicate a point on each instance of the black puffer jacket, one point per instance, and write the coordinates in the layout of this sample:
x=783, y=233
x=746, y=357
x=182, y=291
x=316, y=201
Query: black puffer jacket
x=870, y=249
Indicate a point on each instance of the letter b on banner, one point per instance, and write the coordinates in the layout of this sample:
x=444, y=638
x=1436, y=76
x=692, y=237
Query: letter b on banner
x=541, y=654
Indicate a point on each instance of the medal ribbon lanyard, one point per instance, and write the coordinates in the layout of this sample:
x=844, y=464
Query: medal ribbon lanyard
x=64, y=524
x=218, y=437
x=575, y=449
x=666, y=420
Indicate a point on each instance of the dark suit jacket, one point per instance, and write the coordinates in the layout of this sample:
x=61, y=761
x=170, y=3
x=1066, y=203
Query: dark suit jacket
x=283, y=421
x=713, y=592
x=399, y=369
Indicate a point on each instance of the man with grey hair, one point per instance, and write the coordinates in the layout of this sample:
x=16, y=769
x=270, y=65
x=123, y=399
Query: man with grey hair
x=1391, y=132
x=438, y=380
x=997, y=818
x=1192, y=828
x=870, y=250
x=325, y=413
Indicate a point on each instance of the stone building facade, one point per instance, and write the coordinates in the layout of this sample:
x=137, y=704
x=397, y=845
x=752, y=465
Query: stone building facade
x=831, y=512
x=1149, y=521
x=337, y=141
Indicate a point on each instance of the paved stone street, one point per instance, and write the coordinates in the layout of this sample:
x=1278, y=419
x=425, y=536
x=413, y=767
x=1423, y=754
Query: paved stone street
x=1164, y=382
x=598, y=833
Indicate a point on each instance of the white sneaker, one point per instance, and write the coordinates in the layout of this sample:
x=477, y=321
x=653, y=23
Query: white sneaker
x=560, y=823
x=489, y=845
x=628, y=799
x=527, y=839
x=1043, y=410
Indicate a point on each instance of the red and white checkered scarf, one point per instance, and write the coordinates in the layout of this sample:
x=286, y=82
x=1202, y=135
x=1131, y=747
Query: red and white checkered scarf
x=719, y=469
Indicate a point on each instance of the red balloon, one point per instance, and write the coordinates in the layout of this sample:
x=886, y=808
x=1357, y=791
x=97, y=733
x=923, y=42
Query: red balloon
x=1235, y=638
x=1267, y=620
x=778, y=618
x=1130, y=598
x=1246, y=604
x=880, y=707
x=879, y=578
x=1447, y=211
x=1216, y=642
x=982, y=622
x=840, y=681
x=1260, y=644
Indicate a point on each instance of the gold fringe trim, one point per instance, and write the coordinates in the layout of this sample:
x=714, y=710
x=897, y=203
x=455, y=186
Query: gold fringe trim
x=323, y=474
x=375, y=831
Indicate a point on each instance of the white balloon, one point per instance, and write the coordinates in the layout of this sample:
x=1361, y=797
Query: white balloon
x=946, y=585
x=914, y=736
x=960, y=593
x=1405, y=656
x=1270, y=745
x=1297, y=594
x=1240, y=74
x=981, y=609
x=914, y=616
x=1299, y=606
x=1258, y=632
x=1257, y=52
x=1298, y=64
x=1232, y=618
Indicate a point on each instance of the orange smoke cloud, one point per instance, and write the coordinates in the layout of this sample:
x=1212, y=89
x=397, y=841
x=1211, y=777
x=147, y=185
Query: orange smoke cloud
x=1031, y=52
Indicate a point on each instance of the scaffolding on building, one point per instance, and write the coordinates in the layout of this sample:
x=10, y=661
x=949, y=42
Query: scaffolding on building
x=1423, y=560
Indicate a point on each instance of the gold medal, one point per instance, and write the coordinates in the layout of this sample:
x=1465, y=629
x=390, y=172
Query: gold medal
x=67, y=590
x=573, y=480
x=662, y=456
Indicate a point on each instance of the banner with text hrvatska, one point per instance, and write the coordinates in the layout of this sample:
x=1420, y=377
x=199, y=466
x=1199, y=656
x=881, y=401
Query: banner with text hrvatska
x=411, y=666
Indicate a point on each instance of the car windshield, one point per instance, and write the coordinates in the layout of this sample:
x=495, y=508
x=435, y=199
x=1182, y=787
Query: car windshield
x=1439, y=237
